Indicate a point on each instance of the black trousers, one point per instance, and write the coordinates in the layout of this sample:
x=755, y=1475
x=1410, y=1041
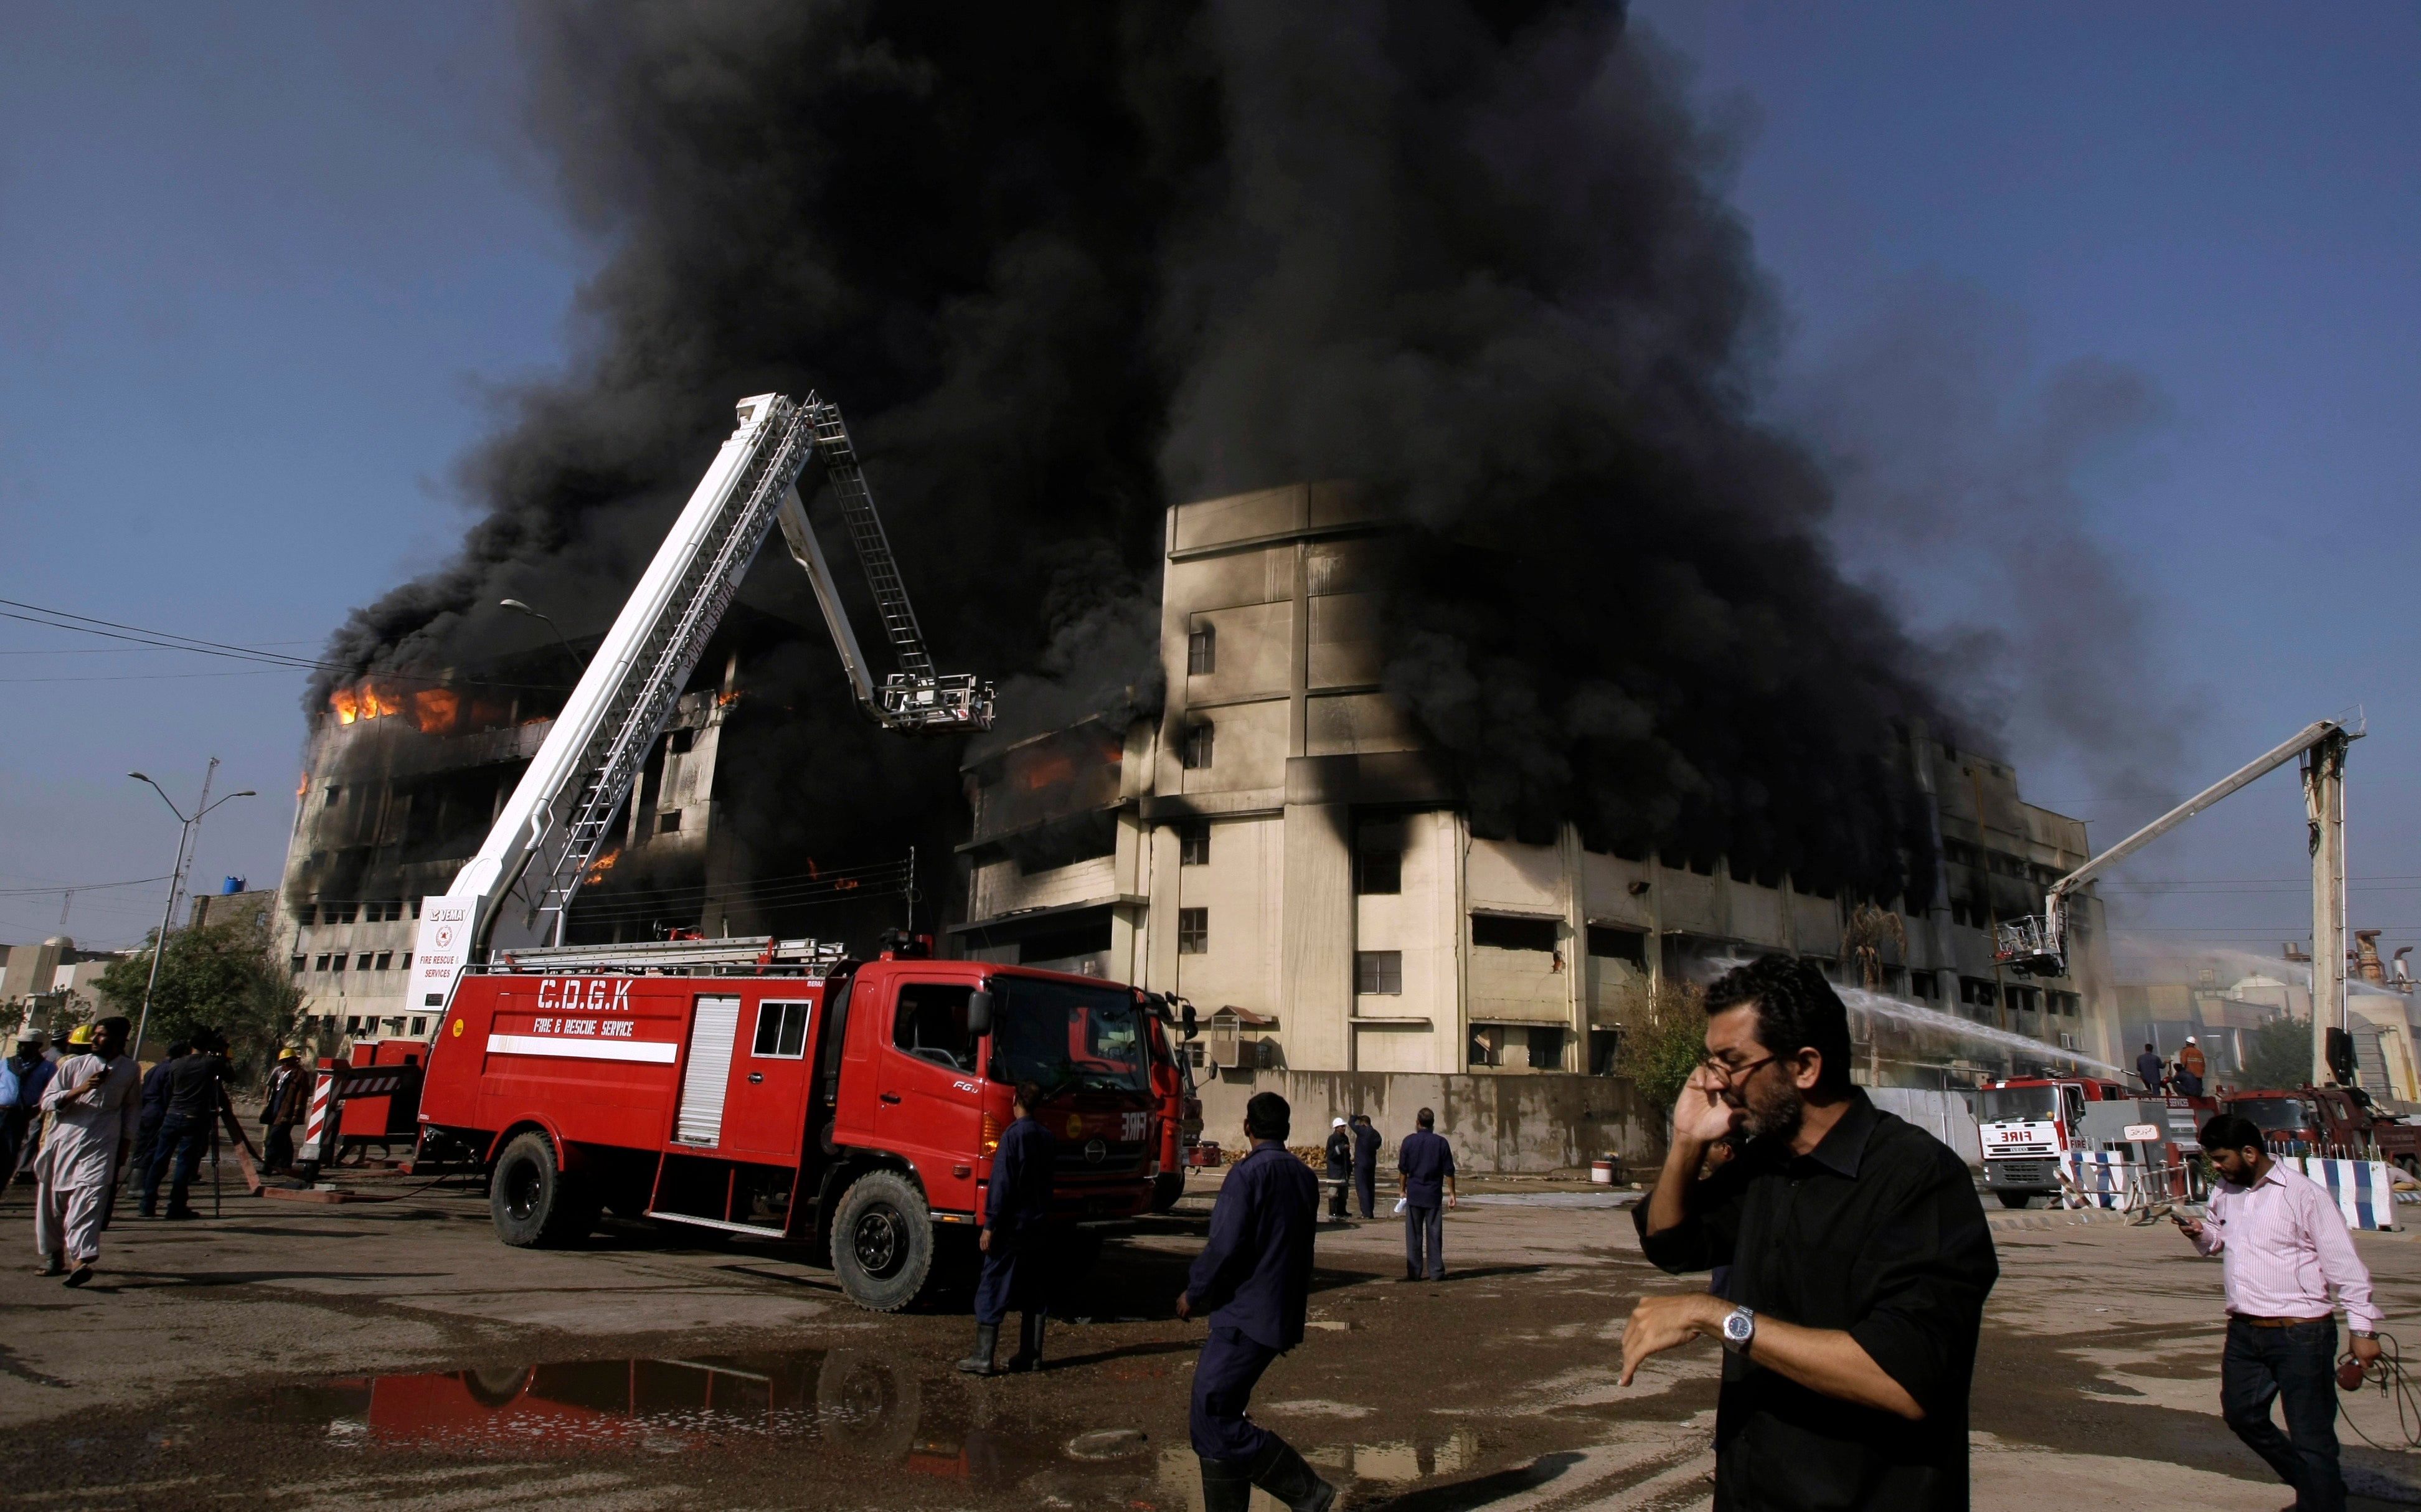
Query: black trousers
x=1337, y=1175
x=2296, y=1365
x=1424, y=1223
x=181, y=1140
x=1365, y=1189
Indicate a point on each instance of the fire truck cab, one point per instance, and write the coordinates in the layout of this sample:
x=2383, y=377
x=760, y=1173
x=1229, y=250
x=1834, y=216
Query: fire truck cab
x=778, y=1090
x=2332, y=1121
x=2026, y=1124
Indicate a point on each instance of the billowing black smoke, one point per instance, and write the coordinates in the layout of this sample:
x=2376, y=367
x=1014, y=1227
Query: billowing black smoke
x=1065, y=265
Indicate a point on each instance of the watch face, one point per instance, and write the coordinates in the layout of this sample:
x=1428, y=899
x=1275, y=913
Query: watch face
x=1735, y=1327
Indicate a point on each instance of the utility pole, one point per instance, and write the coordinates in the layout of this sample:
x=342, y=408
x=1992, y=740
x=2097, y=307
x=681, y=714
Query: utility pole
x=185, y=835
x=2324, y=808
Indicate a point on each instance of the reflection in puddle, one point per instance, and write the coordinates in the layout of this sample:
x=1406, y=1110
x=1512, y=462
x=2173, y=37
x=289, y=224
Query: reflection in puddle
x=849, y=1407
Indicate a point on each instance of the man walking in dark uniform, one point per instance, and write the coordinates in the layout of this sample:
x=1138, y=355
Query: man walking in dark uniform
x=197, y=1091
x=1426, y=1163
x=1366, y=1165
x=1253, y=1278
x=1854, y=1259
x=1016, y=1231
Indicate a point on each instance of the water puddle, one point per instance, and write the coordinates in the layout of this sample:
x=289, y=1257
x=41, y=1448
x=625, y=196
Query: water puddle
x=844, y=1410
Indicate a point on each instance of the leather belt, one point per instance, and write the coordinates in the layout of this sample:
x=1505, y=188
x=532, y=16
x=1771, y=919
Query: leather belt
x=2283, y=1322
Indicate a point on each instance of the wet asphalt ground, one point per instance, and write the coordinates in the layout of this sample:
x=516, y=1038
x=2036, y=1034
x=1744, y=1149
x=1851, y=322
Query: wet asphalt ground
x=394, y=1354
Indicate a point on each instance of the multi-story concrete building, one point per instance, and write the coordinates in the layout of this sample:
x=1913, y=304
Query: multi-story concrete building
x=398, y=790
x=1281, y=842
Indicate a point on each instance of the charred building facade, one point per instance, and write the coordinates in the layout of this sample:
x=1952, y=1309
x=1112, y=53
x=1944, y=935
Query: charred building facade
x=1283, y=847
x=402, y=781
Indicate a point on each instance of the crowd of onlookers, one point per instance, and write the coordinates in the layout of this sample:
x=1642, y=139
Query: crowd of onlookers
x=80, y=1118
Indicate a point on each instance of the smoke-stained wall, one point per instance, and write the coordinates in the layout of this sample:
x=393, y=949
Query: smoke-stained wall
x=1063, y=265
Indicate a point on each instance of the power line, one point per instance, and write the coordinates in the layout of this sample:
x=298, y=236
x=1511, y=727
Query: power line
x=175, y=640
x=75, y=887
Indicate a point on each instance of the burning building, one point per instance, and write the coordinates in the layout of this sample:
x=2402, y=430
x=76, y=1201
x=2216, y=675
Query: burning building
x=1286, y=845
x=402, y=782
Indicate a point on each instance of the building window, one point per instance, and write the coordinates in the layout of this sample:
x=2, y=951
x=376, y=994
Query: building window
x=361, y=963
x=1977, y=992
x=407, y=960
x=414, y=906
x=334, y=792
x=1379, y=972
x=353, y=1023
x=1202, y=653
x=1924, y=985
x=2066, y=1042
x=668, y=823
x=2064, y=1003
x=1192, y=931
x=336, y=961
x=302, y=963
x=1604, y=1051
x=1616, y=943
x=1196, y=755
x=322, y=965
x=419, y=1026
x=1513, y=934
x=782, y=1028
x=2020, y=998
x=1487, y=1045
x=1194, y=844
x=1378, y=871
x=386, y=959
x=1546, y=1048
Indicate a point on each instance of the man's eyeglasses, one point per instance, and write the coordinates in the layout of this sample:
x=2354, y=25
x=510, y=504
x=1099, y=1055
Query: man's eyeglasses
x=1733, y=1075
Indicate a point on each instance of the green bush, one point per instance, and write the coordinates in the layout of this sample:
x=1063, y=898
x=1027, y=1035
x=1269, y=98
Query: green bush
x=1664, y=1043
x=2278, y=1056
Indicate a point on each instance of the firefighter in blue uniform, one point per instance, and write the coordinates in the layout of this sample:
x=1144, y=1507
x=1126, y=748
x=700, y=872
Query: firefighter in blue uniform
x=1253, y=1278
x=1016, y=1236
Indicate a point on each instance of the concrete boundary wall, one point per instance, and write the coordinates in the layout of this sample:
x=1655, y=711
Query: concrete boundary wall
x=1498, y=1125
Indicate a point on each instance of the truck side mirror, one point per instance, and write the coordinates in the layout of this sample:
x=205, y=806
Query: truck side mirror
x=1192, y=1032
x=978, y=1013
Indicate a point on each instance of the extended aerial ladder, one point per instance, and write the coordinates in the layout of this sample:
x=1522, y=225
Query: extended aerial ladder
x=519, y=886
x=2038, y=945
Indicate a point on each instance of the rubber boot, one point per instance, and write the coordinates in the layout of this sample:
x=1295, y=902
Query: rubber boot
x=979, y=1361
x=1226, y=1487
x=1029, y=1343
x=1282, y=1473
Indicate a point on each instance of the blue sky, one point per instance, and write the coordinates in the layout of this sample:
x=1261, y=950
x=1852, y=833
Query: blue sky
x=262, y=269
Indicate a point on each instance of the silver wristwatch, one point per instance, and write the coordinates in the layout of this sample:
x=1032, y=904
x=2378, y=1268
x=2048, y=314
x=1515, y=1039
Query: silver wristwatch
x=1740, y=1327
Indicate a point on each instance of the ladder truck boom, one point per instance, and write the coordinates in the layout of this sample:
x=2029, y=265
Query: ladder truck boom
x=2038, y=945
x=549, y=833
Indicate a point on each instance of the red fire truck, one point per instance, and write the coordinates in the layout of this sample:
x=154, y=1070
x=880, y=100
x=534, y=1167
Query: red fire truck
x=1180, y=1108
x=778, y=1090
x=2340, y=1121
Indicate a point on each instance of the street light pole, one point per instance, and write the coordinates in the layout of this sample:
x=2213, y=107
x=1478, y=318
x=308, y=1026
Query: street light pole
x=188, y=828
x=581, y=667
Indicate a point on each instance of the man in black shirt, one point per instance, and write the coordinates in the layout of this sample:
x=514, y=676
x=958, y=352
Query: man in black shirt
x=1855, y=1257
x=194, y=1101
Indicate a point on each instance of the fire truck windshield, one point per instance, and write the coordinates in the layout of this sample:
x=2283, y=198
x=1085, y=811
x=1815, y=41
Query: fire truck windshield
x=1064, y=1035
x=2277, y=1115
x=2016, y=1104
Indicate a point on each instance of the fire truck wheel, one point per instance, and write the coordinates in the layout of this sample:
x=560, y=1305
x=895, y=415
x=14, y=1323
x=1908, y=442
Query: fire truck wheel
x=534, y=1203
x=2016, y=1199
x=882, y=1242
x=1165, y=1189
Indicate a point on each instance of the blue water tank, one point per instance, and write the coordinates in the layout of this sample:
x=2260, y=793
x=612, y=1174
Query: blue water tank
x=231, y=884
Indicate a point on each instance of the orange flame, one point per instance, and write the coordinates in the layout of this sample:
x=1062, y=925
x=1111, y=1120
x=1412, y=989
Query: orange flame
x=604, y=863
x=436, y=710
x=726, y=699
x=346, y=709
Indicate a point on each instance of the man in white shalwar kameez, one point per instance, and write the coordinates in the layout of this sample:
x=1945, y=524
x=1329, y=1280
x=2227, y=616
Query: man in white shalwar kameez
x=93, y=1107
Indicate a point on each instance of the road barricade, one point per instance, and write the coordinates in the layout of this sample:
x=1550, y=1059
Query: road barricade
x=2364, y=1190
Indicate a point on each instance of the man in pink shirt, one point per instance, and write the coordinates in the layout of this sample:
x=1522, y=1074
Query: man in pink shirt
x=2286, y=1250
